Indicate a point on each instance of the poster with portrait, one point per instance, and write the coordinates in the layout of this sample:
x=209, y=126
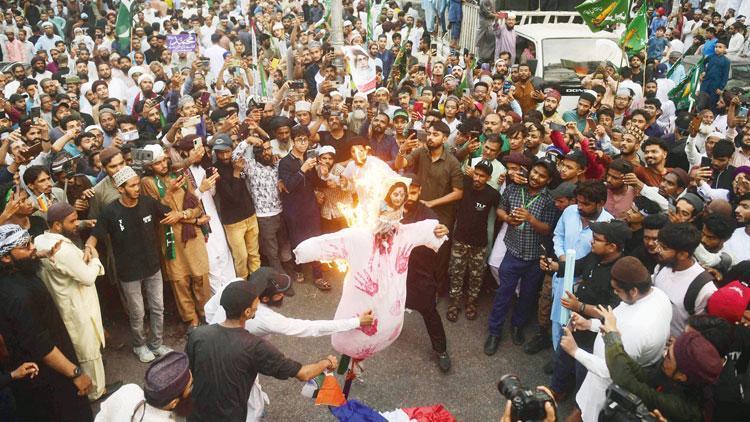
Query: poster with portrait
x=361, y=68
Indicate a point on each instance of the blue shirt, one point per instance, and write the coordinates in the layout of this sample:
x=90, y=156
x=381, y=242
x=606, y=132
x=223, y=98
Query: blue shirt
x=717, y=74
x=656, y=47
x=572, y=116
x=678, y=75
x=709, y=47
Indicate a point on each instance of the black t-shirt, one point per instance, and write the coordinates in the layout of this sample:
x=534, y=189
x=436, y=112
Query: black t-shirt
x=473, y=209
x=134, y=236
x=224, y=362
x=343, y=149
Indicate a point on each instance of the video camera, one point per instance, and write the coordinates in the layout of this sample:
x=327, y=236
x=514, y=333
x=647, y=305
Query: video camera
x=624, y=406
x=141, y=157
x=527, y=405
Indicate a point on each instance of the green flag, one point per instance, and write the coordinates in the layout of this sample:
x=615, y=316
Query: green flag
x=674, y=67
x=635, y=37
x=262, y=73
x=598, y=14
x=123, y=23
x=684, y=92
x=465, y=80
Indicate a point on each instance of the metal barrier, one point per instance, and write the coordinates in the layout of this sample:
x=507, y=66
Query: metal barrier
x=470, y=22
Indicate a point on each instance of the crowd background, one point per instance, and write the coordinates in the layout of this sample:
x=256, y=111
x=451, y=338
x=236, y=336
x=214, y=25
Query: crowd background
x=189, y=147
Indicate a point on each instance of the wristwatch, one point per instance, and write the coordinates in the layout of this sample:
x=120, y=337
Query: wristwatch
x=77, y=372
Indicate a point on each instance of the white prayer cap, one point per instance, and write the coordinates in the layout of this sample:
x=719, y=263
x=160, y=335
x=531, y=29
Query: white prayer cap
x=326, y=149
x=382, y=89
x=278, y=25
x=486, y=79
x=93, y=127
x=347, y=23
x=511, y=15
x=156, y=150
x=716, y=135
x=302, y=106
x=46, y=24
x=145, y=77
x=334, y=92
x=624, y=92
x=125, y=174
x=413, y=13
x=361, y=95
x=135, y=69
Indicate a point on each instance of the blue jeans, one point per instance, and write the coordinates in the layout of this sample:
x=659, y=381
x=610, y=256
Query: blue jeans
x=512, y=270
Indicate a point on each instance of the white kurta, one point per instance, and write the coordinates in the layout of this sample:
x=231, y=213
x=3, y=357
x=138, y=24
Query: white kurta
x=220, y=264
x=121, y=405
x=267, y=322
x=644, y=327
x=376, y=280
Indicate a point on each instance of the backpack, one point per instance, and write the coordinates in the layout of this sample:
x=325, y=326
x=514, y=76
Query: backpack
x=695, y=287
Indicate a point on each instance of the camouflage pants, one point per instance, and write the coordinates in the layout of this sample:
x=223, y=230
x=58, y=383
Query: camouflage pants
x=465, y=257
x=545, y=303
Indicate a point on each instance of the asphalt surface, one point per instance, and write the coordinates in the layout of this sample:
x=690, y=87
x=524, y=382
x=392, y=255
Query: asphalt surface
x=404, y=375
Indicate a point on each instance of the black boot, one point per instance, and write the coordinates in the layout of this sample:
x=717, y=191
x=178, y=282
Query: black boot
x=491, y=345
x=539, y=342
x=516, y=333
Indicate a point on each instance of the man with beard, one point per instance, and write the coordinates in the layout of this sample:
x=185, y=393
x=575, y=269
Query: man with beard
x=237, y=211
x=382, y=145
x=263, y=183
x=281, y=128
x=469, y=249
x=529, y=210
x=115, y=86
x=337, y=136
x=680, y=276
x=739, y=244
x=149, y=123
x=33, y=330
x=357, y=121
x=182, y=246
x=130, y=224
x=549, y=108
x=105, y=191
x=19, y=75
x=146, y=93
x=655, y=153
x=674, y=185
x=630, y=145
x=505, y=36
x=442, y=182
x=621, y=105
x=421, y=285
x=582, y=111
x=48, y=40
x=527, y=95
x=166, y=393
x=70, y=281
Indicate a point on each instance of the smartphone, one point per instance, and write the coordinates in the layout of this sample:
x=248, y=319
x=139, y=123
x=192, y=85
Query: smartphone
x=421, y=135
x=33, y=151
x=311, y=153
x=129, y=136
x=191, y=121
x=506, y=87
x=524, y=172
x=37, y=111
x=297, y=84
x=419, y=108
x=556, y=126
x=197, y=143
x=158, y=99
x=741, y=112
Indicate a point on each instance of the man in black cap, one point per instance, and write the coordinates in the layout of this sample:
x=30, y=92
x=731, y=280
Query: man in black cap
x=281, y=128
x=594, y=289
x=442, y=183
x=166, y=393
x=238, y=356
x=573, y=166
x=580, y=115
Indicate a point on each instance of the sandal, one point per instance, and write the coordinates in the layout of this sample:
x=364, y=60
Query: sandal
x=471, y=311
x=299, y=277
x=452, y=314
x=322, y=284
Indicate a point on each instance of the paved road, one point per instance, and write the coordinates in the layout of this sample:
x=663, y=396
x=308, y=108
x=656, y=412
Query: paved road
x=404, y=375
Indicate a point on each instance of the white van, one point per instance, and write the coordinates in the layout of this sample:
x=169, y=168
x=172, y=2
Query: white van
x=565, y=53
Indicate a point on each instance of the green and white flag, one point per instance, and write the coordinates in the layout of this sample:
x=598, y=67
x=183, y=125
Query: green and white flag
x=683, y=94
x=635, y=37
x=598, y=14
x=124, y=23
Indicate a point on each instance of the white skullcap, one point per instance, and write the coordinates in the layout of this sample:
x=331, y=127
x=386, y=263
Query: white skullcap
x=382, y=89
x=347, y=23
x=145, y=77
x=334, y=92
x=360, y=95
x=511, y=15
x=46, y=24
x=716, y=135
x=326, y=149
x=125, y=174
x=93, y=127
x=156, y=150
x=278, y=25
x=135, y=69
x=302, y=106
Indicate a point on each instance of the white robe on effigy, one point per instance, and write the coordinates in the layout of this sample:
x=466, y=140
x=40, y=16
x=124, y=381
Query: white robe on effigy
x=376, y=279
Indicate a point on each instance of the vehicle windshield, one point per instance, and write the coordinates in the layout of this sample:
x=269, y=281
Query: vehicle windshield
x=570, y=59
x=740, y=76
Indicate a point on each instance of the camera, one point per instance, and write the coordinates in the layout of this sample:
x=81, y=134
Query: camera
x=141, y=158
x=527, y=405
x=624, y=406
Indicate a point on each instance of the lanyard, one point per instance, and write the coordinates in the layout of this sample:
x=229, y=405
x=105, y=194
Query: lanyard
x=533, y=199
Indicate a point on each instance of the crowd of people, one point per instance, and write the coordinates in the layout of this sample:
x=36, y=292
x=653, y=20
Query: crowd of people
x=620, y=228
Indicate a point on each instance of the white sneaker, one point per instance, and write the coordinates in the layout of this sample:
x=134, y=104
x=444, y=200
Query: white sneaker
x=144, y=354
x=161, y=351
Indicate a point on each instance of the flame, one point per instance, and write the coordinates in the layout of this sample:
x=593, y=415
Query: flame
x=371, y=187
